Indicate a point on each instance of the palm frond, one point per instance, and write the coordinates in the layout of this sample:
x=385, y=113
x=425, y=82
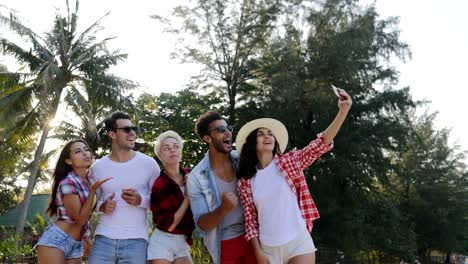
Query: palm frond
x=22, y=56
x=88, y=32
x=42, y=51
x=66, y=131
x=77, y=101
x=101, y=63
x=24, y=131
x=85, y=53
x=16, y=103
x=16, y=26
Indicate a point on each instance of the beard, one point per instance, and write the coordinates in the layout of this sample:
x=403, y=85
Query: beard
x=219, y=146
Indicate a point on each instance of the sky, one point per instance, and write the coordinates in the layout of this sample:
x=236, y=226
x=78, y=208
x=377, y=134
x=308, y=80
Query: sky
x=436, y=32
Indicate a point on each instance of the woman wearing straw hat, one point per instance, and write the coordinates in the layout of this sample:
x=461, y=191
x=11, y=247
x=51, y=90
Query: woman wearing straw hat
x=172, y=236
x=278, y=207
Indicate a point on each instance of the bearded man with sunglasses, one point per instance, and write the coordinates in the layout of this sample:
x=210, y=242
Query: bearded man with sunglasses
x=212, y=188
x=122, y=231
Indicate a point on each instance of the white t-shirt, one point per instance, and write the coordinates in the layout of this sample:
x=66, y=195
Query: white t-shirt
x=279, y=217
x=126, y=221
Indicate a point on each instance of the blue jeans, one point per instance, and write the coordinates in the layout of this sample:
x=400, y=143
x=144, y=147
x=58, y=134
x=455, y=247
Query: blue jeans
x=122, y=251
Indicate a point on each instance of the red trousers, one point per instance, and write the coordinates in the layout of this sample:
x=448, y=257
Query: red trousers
x=237, y=251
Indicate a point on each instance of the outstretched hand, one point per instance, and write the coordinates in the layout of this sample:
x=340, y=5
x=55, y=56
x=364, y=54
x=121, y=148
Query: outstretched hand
x=98, y=184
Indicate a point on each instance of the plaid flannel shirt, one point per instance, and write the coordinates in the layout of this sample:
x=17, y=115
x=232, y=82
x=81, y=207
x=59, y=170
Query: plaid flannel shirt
x=72, y=184
x=291, y=166
x=166, y=198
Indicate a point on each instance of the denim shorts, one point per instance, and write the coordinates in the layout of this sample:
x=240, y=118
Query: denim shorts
x=55, y=237
x=164, y=245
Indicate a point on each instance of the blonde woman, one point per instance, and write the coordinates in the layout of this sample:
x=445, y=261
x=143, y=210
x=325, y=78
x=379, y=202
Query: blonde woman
x=172, y=217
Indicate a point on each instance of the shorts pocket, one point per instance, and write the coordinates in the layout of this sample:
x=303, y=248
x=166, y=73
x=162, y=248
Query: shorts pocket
x=57, y=235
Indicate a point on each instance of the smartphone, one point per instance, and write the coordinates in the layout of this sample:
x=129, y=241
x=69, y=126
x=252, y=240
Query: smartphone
x=125, y=189
x=335, y=91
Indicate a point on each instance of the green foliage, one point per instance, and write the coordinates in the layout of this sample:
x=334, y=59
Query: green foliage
x=62, y=64
x=174, y=112
x=9, y=193
x=392, y=186
x=10, y=251
x=226, y=37
x=434, y=188
x=199, y=252
x=38, y=226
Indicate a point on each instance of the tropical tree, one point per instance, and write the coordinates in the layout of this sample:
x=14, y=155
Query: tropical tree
x=434, y=187
x=176, y=112
x=227, y=36
x=349, y=47
x=54, y=66
x=92, y=107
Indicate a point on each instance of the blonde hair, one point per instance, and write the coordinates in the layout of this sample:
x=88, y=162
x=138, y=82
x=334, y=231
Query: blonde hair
x=165, y=135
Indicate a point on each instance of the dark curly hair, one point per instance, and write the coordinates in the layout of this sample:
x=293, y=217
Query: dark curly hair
x=248, y=157
x=201, y=126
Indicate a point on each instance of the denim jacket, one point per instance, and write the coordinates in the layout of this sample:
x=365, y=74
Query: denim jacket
x=204, y=198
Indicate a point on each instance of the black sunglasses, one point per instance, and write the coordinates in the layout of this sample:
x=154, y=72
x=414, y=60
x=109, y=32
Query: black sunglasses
x=127, y=129
x=222, y=129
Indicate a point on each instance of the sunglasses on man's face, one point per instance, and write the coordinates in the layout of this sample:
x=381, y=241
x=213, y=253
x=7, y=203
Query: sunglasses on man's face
x=222, y=129
x=127, y=129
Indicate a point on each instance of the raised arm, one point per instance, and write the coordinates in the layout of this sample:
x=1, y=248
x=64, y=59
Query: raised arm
x=343, y=106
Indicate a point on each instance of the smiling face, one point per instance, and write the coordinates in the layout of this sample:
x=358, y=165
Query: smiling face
x=80, y=156
x=170, y=152
x=219, y=138
x=265, y=141
x=122, y=138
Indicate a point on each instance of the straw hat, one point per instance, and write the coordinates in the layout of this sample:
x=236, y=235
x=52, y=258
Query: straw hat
x=279, y=131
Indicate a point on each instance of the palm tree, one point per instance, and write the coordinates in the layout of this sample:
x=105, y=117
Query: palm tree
x=91, y=111
x=55, y=66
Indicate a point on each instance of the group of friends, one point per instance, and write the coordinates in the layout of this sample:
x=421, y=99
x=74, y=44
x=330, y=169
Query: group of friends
x=250, y=205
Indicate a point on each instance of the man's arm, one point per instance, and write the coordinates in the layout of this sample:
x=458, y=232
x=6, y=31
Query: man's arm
x=202, y=216
x=212, y=219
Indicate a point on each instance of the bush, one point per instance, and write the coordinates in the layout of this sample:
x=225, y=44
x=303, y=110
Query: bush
x=12, y=250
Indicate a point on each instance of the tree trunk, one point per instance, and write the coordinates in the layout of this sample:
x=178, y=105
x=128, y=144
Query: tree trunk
x=32, y=180
x=35, y=168
x=232, y=110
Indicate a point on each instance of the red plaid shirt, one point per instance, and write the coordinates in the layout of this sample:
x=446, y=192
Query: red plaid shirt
x=166, y=198
x=291, y=166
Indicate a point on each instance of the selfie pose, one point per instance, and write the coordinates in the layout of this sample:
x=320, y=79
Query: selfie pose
x=278, y=207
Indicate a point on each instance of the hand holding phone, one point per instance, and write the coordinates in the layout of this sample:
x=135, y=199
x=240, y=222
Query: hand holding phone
x=336, y=92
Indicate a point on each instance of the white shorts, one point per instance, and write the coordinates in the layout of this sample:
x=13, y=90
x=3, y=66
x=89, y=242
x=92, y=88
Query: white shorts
x=164, y=245
x=302, y=244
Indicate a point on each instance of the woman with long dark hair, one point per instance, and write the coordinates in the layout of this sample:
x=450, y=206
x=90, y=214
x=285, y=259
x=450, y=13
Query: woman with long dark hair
x=278, y=208
x=71, y=200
